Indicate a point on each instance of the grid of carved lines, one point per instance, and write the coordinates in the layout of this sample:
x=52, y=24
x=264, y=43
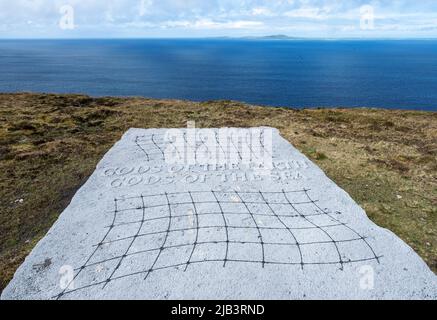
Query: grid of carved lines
x=154, y=147
x=177, y=230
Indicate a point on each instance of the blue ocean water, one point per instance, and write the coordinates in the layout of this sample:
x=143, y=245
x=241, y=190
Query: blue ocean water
x=387, y=74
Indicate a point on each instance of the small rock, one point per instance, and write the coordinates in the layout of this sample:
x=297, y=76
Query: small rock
x=399, y=197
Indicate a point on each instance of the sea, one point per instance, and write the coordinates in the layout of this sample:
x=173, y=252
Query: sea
x=392, y=74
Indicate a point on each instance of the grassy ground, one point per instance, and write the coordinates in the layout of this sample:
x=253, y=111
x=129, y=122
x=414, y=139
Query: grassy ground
x=50, y=144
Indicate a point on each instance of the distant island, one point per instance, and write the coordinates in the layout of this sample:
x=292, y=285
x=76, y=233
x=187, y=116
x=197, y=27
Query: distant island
x=268, y=37
x=275, y=37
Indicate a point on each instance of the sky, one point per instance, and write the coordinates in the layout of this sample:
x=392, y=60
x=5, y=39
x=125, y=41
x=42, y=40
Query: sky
x=216, y=18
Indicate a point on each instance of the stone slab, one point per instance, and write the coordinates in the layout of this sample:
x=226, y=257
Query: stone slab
x=143, y=229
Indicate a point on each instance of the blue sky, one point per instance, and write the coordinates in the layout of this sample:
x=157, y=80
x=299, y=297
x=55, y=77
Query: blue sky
x=209, y=18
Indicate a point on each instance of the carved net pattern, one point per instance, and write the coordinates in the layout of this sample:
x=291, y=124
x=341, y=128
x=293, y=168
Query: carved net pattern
x=149, y=233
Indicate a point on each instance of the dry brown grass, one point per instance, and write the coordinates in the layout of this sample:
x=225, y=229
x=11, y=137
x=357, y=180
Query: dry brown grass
x=50, y=144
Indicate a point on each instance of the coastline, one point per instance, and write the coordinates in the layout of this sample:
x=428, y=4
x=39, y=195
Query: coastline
x=50, y=144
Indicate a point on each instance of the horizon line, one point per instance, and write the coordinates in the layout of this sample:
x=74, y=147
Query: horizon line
x=265, y=38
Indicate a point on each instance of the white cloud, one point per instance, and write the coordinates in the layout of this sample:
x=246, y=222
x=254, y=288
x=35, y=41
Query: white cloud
x=309, y=13
x=262, y=11
x=240, y=24
x=210, y=24
x=33, y=18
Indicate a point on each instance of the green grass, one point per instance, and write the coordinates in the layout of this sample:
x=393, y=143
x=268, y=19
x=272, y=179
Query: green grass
x=50, y=144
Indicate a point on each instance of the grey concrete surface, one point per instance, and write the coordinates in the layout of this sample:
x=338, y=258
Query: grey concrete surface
x=141, y=228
